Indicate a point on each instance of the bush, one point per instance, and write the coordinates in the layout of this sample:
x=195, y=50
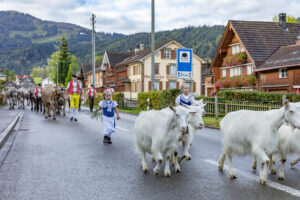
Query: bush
x=118, y=96
x=256, y=96
x=158, y=99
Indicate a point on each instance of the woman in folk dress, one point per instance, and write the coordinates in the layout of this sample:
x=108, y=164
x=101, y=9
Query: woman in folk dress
x=108, y=121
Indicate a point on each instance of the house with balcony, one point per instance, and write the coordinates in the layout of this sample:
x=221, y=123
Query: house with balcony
x=138, y=70
x=255, y=55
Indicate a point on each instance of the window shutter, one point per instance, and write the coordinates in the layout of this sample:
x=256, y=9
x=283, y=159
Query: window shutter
x=135, y=86
x=149, y=86
x=172, y=54
x=167, y=85
x=177, y=85
x=194, y=86
x=160, y=85
x=162, y=54
x=168, y=69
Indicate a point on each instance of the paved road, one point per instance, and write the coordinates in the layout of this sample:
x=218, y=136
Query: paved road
x=64, y=160
x=6, y=117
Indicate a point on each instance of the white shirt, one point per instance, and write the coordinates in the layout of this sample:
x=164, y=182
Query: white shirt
x=75, y=86
x=39, y=92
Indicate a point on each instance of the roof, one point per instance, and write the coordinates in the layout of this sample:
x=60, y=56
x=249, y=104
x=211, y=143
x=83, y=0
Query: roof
x=22, y=77
x=205, y=70
x=115, y=57
x=88, y=67
x=284, y=56
x=141, y=54
x=261, y=39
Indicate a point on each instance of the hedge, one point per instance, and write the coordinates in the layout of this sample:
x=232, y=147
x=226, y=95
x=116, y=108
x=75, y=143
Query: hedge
x=117, y=96
x=256, y=96
x=158, y=99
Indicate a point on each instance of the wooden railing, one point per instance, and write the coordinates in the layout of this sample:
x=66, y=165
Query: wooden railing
x=225, y=107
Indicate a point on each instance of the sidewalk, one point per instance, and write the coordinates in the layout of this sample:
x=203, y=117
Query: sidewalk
x=6, y=117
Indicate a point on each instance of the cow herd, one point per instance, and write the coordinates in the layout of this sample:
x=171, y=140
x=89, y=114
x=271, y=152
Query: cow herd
x=51, y=103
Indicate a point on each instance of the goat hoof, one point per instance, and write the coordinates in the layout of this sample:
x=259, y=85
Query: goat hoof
x=273, y=171
x=46, y=117
x=254, y=168
x=262, y=181
x=145, y=169
x=220, y=168
x=178, y=170
x=293, y=163
x=232, y=176
x=280, y=178
x=167, y=174
x=54, y=118
x=189, y=157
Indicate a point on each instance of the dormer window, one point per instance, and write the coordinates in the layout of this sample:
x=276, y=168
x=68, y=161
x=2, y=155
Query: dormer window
x=283, y=73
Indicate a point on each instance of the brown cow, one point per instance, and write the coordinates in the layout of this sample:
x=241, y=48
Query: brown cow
x=50, y=97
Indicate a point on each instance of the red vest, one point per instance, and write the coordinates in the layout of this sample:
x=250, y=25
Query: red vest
x=71, y=88
x=90, y=92
x=37, y=91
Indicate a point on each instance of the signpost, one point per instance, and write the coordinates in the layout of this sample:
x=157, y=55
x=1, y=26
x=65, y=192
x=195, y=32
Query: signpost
x=184, y=63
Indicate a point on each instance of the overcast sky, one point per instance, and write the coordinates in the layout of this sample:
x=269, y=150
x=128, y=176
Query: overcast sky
x=131, y=16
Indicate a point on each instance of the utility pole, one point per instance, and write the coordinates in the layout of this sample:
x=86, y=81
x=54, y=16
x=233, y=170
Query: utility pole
x=93, y=45
x=48, y=69
x=57, y=67
x=152, y=45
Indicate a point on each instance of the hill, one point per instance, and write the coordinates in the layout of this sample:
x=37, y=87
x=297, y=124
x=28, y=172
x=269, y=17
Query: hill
x=26, y=41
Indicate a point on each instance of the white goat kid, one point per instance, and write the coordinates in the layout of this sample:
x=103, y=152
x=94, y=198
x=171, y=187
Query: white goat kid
x=195, y=123
x=158, y=133
x=256, y=133
x=288, y=144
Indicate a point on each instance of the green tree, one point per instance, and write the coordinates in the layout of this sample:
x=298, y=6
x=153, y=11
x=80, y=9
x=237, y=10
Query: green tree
x=10, y=74
x=53, y=66
x=74, y=64
x=39, y=72
x=289, y=19
x=69, y=76
x=64, y=61
x=98, y=60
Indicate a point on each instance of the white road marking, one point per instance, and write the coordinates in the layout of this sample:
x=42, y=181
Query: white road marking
x=272, y=184
x=123, y=129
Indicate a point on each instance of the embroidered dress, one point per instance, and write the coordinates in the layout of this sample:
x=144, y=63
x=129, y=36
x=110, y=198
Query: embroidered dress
x=108, y=120
x=182, y=99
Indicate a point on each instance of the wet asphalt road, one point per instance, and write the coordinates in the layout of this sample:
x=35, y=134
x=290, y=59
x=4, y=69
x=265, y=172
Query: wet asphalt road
x=64, y=160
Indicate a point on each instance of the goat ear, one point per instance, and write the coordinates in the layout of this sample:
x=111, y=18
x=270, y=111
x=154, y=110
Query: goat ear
x=172, y=108
x=286, y=104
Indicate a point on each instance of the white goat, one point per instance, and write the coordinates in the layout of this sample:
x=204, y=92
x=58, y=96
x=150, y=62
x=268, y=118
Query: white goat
x=256, y=133
x=158, y=133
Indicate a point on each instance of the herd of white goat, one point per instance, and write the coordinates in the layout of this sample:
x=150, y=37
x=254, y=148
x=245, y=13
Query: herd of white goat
x=262, y=134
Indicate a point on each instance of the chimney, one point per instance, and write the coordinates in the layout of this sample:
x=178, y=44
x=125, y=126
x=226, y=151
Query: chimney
x=298, y=40
x=282, y=21
x=137, y=49
x=142, y=46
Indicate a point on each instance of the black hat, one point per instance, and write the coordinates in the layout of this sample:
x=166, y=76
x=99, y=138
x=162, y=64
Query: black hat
x=92, y=85
x=74, y=75
x=39, y=84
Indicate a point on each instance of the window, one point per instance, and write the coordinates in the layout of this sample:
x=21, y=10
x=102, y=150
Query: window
x=157, y=54
x=167, y=53
x=236, y=71
x=249, y=69
x=223, y=72
x=233, y=50
x=132, y=70
x=283, y=73
x=156, y=85
x=172, y=84
x=138, y=86
x=190, y=84
x=133, y=86
x=242, y=49
x=156, y=68
x=172, y=69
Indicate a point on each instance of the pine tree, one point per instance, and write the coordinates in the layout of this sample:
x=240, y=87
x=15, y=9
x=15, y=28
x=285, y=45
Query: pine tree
x=69, y=76
x=64, y=61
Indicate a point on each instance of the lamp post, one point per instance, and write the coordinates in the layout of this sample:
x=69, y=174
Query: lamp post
x=48, y=69
x=152, y=44
x=57, y=67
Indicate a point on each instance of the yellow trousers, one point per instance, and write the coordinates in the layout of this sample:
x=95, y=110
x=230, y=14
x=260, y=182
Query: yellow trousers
x=74, y=101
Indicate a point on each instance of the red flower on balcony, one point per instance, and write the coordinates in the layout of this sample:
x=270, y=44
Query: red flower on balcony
x=237, y=81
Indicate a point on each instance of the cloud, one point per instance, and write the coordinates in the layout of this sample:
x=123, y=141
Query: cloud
x=130, y=16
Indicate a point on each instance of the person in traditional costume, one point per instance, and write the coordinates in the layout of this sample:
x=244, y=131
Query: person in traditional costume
x=74, y=90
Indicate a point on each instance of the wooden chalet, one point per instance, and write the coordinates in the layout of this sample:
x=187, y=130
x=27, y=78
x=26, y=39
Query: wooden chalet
x=266, y=52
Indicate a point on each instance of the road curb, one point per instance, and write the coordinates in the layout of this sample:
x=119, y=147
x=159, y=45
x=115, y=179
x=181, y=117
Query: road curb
x=5, y=134
x=212, y=127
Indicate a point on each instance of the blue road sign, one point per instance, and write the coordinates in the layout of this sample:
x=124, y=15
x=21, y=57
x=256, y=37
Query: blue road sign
x=184, y=63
